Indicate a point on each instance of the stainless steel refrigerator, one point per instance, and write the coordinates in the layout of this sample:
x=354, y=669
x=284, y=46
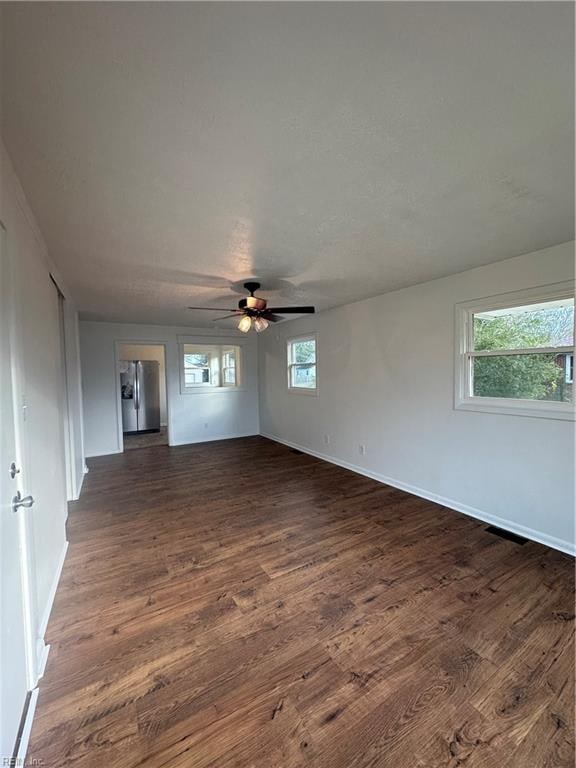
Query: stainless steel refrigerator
x=140, y=393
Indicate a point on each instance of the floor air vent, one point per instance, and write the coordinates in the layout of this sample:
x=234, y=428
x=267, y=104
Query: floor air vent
x=506, y=535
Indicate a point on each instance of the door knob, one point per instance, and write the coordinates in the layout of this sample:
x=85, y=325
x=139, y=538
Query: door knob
x=18, y=502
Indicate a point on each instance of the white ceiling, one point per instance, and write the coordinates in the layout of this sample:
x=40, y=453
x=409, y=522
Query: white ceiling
x=335, y=150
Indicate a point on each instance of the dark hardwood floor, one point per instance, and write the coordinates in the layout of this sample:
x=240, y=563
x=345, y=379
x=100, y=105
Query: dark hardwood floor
x=239, y=604
x=146, y=440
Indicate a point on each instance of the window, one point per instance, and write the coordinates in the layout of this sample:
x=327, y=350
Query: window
x=569, y=369
x=197, y=368
x=207, y=366
x=229, y=373
x=302, y=364
x=515, y=354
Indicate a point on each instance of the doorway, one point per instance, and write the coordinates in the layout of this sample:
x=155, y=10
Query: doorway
x=143, y=411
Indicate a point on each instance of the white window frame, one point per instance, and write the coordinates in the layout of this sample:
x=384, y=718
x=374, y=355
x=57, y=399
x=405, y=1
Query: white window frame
x=569, y=376
x=217, y=351
x=464, y=355
x=289, y=364
x=225, y=349
x=212, y=366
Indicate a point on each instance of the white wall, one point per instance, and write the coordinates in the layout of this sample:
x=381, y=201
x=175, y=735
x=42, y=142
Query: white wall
x=39, y=405
x=386, y=380
x=149, y=352
x=191, y=417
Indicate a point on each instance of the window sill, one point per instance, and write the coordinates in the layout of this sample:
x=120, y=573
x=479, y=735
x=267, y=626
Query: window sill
x=209, y=390
x=303, y=391
x=533, y=408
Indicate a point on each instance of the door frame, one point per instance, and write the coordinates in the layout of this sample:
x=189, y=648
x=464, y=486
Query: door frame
x=67, y=425
x=25, y=534
x=143, y=343
x=31, y=670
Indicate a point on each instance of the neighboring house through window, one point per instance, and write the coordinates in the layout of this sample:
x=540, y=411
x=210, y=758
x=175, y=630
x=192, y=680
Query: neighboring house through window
x=209, y=366
x=197, y=367
x=302, y=364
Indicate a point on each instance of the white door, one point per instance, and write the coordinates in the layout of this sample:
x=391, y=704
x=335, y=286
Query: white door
x=13, y=638
x=40, y=390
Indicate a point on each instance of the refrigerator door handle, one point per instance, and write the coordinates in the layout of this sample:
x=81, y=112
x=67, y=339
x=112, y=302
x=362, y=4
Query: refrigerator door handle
x=136, y=387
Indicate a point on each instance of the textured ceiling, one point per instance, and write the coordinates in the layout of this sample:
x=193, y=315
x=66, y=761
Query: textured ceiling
x=337, y=151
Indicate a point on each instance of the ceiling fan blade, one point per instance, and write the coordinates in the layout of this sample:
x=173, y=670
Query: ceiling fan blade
x=235, y=314
x=267, y=315
x=215, y=309
x=293, y=310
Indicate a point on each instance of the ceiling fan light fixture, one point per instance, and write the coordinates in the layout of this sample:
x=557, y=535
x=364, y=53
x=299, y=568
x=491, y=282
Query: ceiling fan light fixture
x=260, y=324
x=254, y=302
x=245, y=324
x=254, y=312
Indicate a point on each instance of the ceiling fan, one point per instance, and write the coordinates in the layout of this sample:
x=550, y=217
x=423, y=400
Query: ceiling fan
x=253, y=311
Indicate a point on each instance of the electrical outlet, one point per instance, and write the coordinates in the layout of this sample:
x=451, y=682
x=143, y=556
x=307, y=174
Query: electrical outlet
x=326, y=439
x=362, y=449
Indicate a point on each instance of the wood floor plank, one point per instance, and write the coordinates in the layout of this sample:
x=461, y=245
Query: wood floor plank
x=239, y=604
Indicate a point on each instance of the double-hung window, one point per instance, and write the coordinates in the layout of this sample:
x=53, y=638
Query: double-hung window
x=302, y=364
x=209, y=366
x=230, y=367
x=516, y=353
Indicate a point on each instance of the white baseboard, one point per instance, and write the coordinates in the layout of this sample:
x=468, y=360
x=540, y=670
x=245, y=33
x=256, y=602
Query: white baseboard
x=215, y=439
x=521, y=530
x=185, y=442
x=43, y=660
x=80, y=484
x=42, y=648
x=102, y=453
x=79, y=489
x=25, y=737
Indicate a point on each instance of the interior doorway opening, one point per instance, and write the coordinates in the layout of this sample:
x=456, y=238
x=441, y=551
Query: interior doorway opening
x=143, y=399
